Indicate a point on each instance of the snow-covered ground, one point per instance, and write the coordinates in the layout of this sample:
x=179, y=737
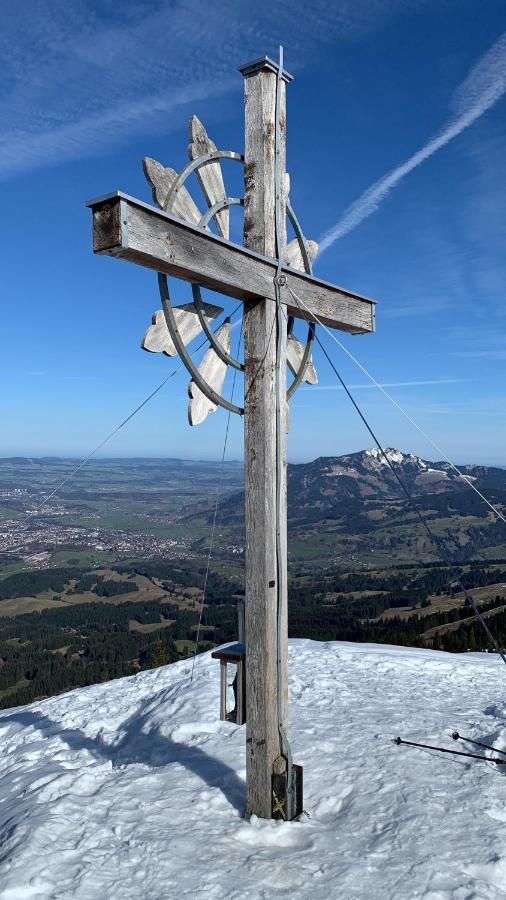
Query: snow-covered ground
x=135, y=789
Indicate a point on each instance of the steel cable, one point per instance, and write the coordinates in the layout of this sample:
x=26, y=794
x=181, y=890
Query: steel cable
x=215, y=515
x=113, y=432
x=432, y=535
x=300, y=304
x=280, y=569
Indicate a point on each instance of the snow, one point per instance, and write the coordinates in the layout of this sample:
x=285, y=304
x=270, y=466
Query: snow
x=394, y=456
x=135, y=789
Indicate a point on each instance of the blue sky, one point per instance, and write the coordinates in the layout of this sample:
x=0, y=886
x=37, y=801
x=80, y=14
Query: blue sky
x=397, y=157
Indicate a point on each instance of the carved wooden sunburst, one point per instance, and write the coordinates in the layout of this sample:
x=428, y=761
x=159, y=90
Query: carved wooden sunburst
x=173, y=328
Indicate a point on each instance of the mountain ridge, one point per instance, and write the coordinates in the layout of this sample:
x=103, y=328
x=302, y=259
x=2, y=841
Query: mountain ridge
x=355, y=501
x=366, y=476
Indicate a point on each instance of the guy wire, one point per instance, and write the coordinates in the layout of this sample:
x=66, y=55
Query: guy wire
x=113, y=432
x=285, y=748
x=215, y=515
x=432, y=535
x=300, y=304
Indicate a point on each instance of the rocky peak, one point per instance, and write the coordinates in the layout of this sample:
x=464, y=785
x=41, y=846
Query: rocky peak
x=394, y=456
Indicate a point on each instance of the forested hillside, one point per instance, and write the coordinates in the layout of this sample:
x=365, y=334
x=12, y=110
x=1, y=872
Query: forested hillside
x=92, y=628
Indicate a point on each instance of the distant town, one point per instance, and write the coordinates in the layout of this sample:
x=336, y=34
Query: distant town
x=38, y=532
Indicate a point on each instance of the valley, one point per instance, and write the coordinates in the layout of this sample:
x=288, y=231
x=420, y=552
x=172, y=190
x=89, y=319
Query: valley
x=105, y=578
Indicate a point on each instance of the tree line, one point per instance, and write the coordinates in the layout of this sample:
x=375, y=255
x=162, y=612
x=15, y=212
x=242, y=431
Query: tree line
x=55, y=650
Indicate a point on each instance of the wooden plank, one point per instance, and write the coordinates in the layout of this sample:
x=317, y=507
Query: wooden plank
x=293, y=254
x=209, y=175
x=157, y=338
x=130, y=229
x=261, y=569
x=161, y=179
x=232, y=653
x=294, y=355
x=213, y=371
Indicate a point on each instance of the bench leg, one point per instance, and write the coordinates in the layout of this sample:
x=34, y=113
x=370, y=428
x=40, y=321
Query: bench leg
x=241, y=695
x=223, y=690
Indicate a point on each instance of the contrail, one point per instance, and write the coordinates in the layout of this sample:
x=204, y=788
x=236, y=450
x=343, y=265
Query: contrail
x=483, y=87
x=389, y=384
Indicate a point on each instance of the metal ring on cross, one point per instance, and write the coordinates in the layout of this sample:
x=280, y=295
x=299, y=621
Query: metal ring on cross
x=213, y=210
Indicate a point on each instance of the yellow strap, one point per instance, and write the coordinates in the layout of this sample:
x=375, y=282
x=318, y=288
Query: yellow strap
x=278, y=805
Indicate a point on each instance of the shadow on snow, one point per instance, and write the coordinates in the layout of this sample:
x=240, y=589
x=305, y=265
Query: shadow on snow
x=139, y=745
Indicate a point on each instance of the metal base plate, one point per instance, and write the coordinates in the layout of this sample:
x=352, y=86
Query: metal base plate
x=279, y=789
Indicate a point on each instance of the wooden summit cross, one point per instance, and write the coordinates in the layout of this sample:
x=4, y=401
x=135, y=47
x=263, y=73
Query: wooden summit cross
x=176, y=241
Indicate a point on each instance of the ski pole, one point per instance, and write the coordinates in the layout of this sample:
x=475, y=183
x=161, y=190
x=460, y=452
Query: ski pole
x=459, y=737
x=499, y=762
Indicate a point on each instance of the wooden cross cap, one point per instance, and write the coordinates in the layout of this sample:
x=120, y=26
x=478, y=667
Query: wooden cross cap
x=140, y=233
x=264, y=64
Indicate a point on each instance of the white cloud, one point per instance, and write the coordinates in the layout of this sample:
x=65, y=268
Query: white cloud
x=475, y=341
x=78, y=78
x=427, y=307
x=483, y=87
x=480, y=354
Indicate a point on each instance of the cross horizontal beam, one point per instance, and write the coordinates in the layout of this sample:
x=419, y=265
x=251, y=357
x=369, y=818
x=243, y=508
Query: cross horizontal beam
x=142, y=234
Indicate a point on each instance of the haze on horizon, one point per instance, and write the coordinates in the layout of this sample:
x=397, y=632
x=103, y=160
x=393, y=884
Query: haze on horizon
x=229, y=461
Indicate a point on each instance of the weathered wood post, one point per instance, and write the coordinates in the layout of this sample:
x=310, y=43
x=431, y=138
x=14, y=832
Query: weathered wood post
x=263, y=568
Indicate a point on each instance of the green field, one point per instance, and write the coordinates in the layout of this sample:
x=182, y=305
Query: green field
x=151, y=627
x=10, y=691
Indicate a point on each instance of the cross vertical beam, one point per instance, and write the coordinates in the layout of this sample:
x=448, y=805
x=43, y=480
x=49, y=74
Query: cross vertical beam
x=263, y=567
